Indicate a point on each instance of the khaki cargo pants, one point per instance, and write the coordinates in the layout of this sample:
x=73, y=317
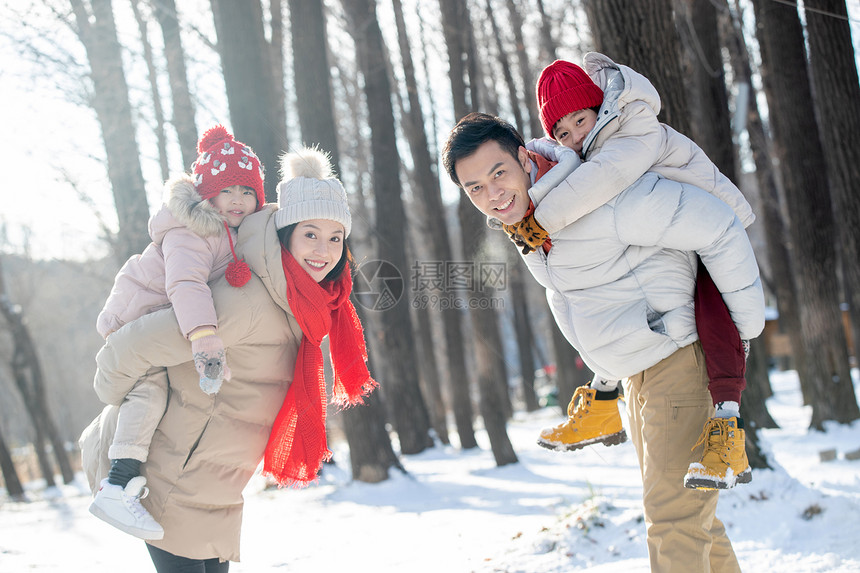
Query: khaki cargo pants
x=667, y=406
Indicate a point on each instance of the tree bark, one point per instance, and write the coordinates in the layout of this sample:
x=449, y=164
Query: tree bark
x=246, y=64
x=837, y=101
x=152, y=76
x=505, y=67
x=183, y=108
x=10, y=475
x=312, y=75
x=804, y=177
x=408, y=408
x=776, y=233
x=456, y=26
x=430, y=195
x=27, y=372
x=524, y=333
x=525, y=68
x=547, y=42
x=703, y=69
x=642, y=35
x=97, y=31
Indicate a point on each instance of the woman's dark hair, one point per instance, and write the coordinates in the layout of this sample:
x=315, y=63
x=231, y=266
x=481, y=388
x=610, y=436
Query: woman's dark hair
x=284, y=235
x=473, y=131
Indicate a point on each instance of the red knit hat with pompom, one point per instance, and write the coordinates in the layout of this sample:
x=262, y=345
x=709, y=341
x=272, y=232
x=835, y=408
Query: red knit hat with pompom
x=563, y=88
x=223, y=162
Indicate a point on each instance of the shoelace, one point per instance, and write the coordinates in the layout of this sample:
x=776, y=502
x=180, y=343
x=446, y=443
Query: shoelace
x=583, y=395
x=706, y=431
x=133, y=502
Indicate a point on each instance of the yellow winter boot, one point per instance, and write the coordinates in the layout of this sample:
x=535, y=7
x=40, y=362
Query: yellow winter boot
x=724, y=462
x=589, y=422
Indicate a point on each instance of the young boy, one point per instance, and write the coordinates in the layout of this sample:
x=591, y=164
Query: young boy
x=193, y=235
x=608, y=116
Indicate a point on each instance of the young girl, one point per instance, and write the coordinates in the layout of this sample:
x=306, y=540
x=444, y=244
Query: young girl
x=192, y=244
x=204, y=451
x=608, y=116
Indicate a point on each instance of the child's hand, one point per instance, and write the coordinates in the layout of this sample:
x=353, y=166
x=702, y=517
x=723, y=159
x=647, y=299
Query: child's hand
x=548, y=148
x=210, y=362
x=527, y=234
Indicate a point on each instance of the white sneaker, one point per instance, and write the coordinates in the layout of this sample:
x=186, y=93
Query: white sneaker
x=122, y=509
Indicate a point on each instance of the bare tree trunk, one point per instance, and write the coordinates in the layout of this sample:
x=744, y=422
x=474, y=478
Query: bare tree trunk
x=370, y=450
x=456, y=26
x=547, y=42
x=524, y=333
x=776, y=233
x=408, y=407
x=152, y=75
x=312, y=78
x=183, y=108
x=642, y=35
x=97, y=30
x=10, y=476
x=703, y=69
x=276, y=58
x=367, y=427
x=505, y=66
x=371, y=453
x=787, y=88
x=246, y=63
x=526, y=72
x=430, y=195
x=837, y=91
x=27, y=372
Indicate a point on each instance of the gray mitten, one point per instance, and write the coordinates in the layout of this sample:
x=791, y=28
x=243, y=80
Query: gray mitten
x=210, y=362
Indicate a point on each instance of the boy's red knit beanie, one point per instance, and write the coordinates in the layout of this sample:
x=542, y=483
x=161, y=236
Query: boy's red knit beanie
x=223, y=162
x=563, y=88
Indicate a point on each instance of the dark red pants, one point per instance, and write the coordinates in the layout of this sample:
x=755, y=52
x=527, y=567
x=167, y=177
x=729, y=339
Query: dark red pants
x=724, y=353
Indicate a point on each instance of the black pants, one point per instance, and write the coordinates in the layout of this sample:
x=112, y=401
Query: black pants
x=169, y=563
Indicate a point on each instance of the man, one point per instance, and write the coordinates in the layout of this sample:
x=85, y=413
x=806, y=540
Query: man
x=620, y=284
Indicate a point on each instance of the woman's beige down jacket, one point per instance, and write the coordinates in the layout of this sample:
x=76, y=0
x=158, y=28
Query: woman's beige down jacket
x=207, y=447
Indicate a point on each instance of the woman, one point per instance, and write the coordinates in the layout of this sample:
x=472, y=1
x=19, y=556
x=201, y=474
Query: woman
x=206, y=447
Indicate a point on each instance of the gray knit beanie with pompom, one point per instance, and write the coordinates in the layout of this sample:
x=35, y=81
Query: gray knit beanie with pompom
x=309, y=190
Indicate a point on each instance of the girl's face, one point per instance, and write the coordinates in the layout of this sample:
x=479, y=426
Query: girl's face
x=317, y=245
x=571, y=130
x=235, y=203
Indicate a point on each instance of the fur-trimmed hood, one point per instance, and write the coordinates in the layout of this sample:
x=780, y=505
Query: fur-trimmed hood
x=183, y=207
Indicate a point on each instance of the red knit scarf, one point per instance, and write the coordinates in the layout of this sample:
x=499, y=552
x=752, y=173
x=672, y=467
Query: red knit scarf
x=297, y=444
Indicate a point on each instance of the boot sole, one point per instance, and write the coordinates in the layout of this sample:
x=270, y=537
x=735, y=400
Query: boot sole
x=608, y=440
x=710, y=484
x=135, y=531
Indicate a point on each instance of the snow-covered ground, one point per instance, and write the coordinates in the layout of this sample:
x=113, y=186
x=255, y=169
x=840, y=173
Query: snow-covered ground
x=457, y=512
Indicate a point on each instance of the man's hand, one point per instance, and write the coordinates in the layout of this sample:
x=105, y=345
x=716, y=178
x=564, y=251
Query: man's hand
x=527, y=234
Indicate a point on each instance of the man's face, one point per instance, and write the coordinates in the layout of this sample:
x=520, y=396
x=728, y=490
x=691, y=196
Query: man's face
x=496, y=182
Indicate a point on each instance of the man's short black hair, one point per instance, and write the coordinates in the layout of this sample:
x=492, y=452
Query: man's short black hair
x=474, y=130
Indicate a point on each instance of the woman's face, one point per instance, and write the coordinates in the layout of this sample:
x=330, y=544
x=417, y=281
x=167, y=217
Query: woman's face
x=317, y=245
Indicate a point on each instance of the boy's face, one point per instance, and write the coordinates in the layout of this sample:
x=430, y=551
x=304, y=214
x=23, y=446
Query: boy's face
x=235, y=203
x=571, y=130
x=496, y=182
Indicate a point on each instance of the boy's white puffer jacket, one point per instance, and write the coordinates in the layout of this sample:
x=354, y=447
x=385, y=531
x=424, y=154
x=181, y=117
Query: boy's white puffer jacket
x=620, y=280
x=627, y=141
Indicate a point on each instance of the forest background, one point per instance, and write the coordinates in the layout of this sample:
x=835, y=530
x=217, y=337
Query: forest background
x=105, y=99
